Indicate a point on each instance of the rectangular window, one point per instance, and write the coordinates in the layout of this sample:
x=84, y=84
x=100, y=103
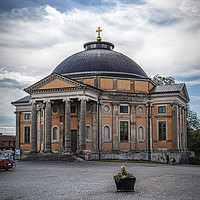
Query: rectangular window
x=27, y=116
x=161, y=109
x=162, y=130
x=73, y=109
x=124, y=109
x=27, y=134
x=124, y=131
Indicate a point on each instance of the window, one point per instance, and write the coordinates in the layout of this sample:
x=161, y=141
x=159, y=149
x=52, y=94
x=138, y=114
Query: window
x=88, y=108
x=27, y=116
x=55, y=109
x=55, y=133
x=73, y=109
x=88, y=133
x=27, y=134
x=140, y=133
x=124, y=109
x=106, y=133
x=161, y=109
x=162, y=130
x=124, y=130
x=106, y=108
x=140, y=109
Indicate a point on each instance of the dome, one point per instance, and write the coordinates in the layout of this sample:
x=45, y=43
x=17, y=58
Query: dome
x=98, y=58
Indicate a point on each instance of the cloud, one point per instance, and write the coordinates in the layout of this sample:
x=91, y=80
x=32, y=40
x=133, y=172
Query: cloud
x=161, y=36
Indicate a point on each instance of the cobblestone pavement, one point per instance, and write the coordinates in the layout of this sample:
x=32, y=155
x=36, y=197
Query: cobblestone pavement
x=93, y=180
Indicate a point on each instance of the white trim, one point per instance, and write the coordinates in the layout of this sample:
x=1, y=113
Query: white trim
x=138, y=134
x=103, y=136
x=140, y=106
x=166, y=130
x=54, y=106
x=124, y=105
x=105, y=106
x=24, y=116
x=121, y=120
x=55, y=126
x=88, y=140
x=164, y=105
x=24, y=134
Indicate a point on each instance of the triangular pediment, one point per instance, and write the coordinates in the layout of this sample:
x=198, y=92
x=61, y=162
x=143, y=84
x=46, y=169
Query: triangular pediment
x=185, y=93
x=57, y=83
x=54, y=81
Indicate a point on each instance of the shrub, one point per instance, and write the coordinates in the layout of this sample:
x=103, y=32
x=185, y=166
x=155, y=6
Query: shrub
x=194, y=160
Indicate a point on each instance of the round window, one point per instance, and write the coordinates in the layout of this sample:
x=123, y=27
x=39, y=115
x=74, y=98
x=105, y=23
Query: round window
x=88, y=108
x=106, y=108
x=140, y=109
x=55, y=109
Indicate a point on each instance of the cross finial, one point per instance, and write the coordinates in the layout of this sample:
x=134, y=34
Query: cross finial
x=99, y=37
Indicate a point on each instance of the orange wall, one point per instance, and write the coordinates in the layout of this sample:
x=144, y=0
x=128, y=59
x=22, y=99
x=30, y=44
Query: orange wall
x=89, y=81
x=141, y=86
x=106, y=83
x=123, y=84
x=106, y=145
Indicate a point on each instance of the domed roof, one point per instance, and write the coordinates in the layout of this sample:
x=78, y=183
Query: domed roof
x=98, y=58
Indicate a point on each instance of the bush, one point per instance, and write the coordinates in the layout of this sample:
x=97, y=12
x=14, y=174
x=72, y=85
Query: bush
x=194, y=160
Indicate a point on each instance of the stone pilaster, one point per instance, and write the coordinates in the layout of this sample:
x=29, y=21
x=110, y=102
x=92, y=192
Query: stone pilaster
x=175, y=126
x=17, y=144
x=149, y=127
x=48, y=127
x=115, y=127
x=67, y=125
x=185, y=129
x=39, y=129
x=83, y=124
x=133, y=127
x=94, y=126
x=34, y=128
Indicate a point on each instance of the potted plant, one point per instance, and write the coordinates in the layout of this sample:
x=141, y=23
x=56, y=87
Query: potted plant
x=124, y=181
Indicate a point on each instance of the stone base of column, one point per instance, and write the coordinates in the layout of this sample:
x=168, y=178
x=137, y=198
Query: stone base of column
x=47, y=151
x=67, y=152
x=33, y=152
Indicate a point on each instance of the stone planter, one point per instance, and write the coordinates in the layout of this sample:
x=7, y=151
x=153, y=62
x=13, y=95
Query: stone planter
x=125, y=185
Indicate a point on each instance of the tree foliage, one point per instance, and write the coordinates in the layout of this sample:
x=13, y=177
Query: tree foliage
x=194, y=142
x=161, y=80
x=193, y=121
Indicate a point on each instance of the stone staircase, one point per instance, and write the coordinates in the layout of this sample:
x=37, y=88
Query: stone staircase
x=52, y=157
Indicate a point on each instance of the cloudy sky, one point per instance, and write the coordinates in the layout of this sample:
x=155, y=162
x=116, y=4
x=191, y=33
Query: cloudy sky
x=163, y=37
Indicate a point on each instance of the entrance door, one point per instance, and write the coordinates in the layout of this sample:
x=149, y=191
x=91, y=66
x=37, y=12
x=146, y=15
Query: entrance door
x=73, y=140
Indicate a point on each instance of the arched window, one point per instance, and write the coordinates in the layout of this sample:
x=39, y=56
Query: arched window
x=88, y=133
x=55, y=133
x=106, y=133
x=140, y=133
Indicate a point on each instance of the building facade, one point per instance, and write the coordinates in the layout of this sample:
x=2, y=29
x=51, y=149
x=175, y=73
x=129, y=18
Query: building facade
x=99, y=103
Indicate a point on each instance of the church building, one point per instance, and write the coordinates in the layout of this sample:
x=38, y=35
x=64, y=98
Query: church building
x=100, y=104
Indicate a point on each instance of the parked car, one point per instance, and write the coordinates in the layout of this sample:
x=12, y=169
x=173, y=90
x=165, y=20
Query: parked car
x=6, y=164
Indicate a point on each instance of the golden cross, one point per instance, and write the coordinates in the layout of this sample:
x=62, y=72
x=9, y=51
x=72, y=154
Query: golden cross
x=99, y=37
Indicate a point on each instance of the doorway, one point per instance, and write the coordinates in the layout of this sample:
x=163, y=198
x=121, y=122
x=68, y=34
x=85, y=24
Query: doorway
x=73, y=140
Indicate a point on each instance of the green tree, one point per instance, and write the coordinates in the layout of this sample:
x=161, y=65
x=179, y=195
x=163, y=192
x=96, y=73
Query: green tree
x=161, y=80
x=193, y=121
x=194, y=142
